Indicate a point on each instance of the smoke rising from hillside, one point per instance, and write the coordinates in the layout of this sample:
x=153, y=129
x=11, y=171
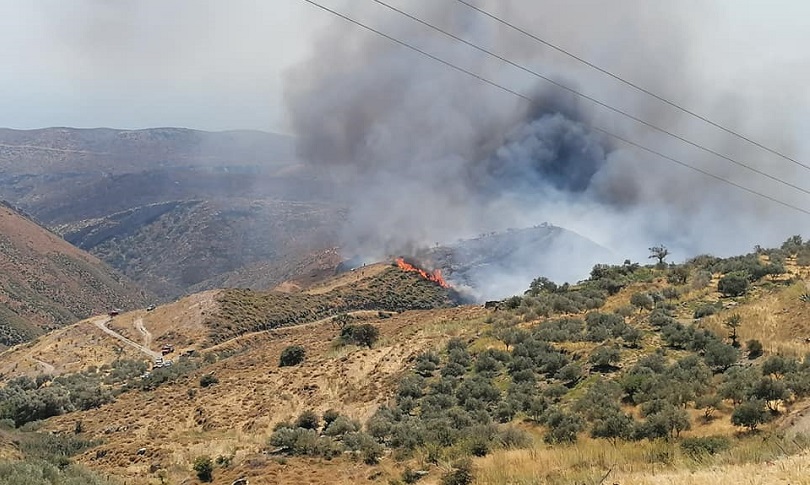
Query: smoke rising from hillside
x=428, y=155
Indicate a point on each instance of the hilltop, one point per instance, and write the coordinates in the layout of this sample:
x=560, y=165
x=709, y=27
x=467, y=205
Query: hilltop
x=689, y=373
x=46, y=283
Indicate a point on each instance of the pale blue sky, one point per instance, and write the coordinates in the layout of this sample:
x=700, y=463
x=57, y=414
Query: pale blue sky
x=217, y=64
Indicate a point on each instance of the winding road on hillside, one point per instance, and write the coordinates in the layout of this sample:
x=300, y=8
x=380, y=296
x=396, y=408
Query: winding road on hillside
x=101, y=323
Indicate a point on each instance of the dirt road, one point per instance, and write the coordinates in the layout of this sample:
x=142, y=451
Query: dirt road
x=101, y=323
x=147, y=335
x=46, y=367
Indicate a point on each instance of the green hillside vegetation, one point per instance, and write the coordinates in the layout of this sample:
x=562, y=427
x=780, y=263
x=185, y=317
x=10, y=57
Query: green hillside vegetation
x=25, y=400
x=243, y=311
x=554, y=366
x=46, y=458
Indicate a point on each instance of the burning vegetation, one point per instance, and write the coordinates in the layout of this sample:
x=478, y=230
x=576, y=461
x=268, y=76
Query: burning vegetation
x=434, y=276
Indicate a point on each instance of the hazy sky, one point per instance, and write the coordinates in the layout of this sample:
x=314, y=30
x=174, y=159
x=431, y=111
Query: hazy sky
x=218, y=64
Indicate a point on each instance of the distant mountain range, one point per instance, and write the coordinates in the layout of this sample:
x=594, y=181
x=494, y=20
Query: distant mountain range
x=180, y=210
x=174, y=209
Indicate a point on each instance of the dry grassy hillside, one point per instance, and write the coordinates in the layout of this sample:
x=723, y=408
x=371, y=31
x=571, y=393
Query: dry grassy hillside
x=233, y=401
x=46, y=283
x=75, y=348
x=234, y=417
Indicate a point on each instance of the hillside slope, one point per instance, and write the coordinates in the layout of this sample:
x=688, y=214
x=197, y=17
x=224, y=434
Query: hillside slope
x=691, y=373
x=46, y=283
x=176, y=210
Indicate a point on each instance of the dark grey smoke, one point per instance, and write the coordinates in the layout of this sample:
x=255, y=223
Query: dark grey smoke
x=428, y=155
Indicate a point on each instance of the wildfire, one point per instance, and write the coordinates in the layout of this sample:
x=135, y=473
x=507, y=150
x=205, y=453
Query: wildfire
x=434, y=276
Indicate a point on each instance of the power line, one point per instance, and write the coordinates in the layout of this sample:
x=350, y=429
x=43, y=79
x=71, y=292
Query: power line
x=590, y=98
x=531, y=100
x=633, y=85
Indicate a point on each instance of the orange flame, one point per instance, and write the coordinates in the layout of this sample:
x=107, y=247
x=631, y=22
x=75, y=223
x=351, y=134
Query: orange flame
x=434, y=276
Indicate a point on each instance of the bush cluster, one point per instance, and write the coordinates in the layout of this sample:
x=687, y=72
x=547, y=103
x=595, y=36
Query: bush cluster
x=338, y=434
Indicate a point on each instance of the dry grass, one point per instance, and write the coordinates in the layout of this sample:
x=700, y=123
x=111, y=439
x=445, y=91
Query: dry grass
x=236, y=415
x=589, y=461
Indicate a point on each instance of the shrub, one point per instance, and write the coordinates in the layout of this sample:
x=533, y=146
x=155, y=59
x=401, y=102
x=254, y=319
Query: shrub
x=671, y=293
x=511, y=437
x=701, y=280
x=749, y=414
x=369, y=449
x=632, y=336
x=737, y=383
x=642, y=301
x=709, y=403
x=666, y=422
x=570, y=373
x=705, y=310
x=613, y=426
x=625, y=311
x=340, y=427
x=365, y=334
x=562, y=427
x=604, y=357
x=461, y=474
x=678, y=275
x=53, y=448
x=699, y=446
x=661, y=317
x=292, y=355
x=204, y=468
x=560, y=330
x=770, y=390
x=754, y=348
x=224, y=461
x=38, y=472
x=208, y=380
x=300, y=441
x=777, y=365
x=328, y=416
x=733, y=284
x=426, y=364
x=720, y=356
x=505, y=411
x=308, y=420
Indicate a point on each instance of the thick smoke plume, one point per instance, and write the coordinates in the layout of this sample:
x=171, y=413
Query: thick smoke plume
x=427, y=155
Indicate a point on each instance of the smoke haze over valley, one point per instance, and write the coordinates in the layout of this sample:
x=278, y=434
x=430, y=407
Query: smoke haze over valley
x=415, y=153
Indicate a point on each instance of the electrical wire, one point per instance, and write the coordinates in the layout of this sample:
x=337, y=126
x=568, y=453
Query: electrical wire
x=633, y=85
x=591, y=98
x=531, y=100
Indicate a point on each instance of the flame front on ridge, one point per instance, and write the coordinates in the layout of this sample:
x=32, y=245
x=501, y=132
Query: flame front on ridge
x=434, y=276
